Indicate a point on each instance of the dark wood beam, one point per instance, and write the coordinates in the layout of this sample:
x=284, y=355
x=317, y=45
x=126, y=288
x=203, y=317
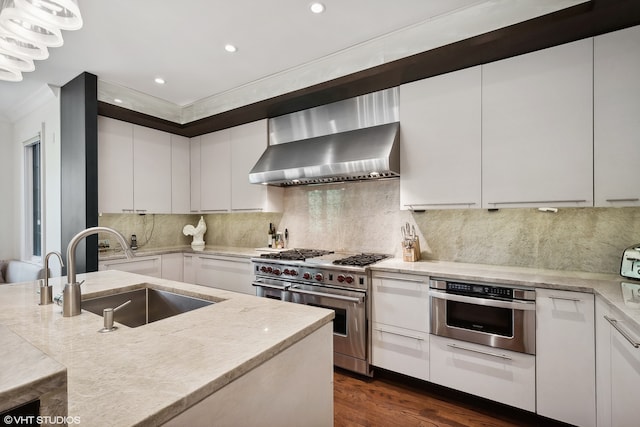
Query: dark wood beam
x=585, y=20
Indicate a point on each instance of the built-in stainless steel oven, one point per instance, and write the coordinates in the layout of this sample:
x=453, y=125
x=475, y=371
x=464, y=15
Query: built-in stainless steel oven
x=330, y=280
x=349, y=324
x=493, y=315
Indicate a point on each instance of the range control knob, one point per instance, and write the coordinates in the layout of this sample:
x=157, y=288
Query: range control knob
x=341, y=278
x=293, y=272
x=286, y=272
x=349, y=279
x=319, y=277
x=263, y=269
x=277, y=271
x=306, y=275
x=269, y=269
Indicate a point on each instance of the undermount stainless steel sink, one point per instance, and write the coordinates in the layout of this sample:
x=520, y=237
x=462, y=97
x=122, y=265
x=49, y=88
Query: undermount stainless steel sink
x=147, y=305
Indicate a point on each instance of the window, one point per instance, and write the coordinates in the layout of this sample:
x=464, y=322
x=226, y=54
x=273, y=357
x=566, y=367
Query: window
x=33, y=199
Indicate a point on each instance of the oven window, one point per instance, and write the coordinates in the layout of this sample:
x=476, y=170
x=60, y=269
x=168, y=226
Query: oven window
x=492, y=320
x=340, y=320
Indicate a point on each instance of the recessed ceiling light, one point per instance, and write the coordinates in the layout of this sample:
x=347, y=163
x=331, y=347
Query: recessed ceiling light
x=230, y=48
x=159, y=80
x=316, y=7
x=117, y=100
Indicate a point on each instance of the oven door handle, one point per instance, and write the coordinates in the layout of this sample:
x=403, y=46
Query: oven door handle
x=265, y=285
x=515, y=305
x=357, y=300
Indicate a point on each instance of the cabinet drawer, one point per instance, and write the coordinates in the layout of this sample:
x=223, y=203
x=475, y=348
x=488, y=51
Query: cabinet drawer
x=501, y=375
x=232, y=274
x=401, y=300
x=149, y=266
x=400, y=350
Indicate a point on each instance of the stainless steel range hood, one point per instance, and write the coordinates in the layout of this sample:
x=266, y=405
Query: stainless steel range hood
x=351, y=140
x=360, y=154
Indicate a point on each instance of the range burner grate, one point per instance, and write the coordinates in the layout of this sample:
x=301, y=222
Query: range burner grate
x=360, y=260
x=296, y=254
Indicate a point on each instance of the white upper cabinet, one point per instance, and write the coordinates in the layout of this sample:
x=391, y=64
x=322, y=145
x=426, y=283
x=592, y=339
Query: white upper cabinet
x=151, y=170
x=194, y=173
x=134, y=168
x=180, y=175
x=441, y=141
x=215, y=171
x=248, y=142
x=115, y=166
x=220, y=165
x=537, y=128
x=617, y=118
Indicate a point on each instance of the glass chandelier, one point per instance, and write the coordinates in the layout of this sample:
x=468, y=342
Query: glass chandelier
x=28, y=28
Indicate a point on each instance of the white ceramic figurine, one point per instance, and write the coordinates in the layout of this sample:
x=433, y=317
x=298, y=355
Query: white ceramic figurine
x=197, y=232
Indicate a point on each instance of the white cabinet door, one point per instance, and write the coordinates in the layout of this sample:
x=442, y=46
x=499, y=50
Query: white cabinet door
x=400, y=323
x=504, y=376
x=400, y=350
x=115, y=166
x=173, y=266
x=180, y=175
x=565, y=356
x=441, y=141
x=616, y=118
x=400, y=300
x=151, y=170
x=248, y=142
x=194, y=164
x=537, y=128
x=215, y=171
x=603, y=363
x=625, y=373
x=188, y=268
x=230, y=273
x=146, y=265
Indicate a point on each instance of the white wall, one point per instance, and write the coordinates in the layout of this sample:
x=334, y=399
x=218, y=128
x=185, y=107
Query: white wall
x=45, y=118
x=7, y=191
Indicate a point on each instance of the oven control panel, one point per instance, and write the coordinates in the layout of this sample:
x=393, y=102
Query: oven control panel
x=305, y=274
x=481, y=290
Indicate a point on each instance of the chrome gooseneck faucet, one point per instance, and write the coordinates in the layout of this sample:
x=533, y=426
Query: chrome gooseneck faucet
x=71, y=295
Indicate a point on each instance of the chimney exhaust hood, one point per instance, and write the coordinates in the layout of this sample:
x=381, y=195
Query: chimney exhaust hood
x=361, y=154
x=351, y=140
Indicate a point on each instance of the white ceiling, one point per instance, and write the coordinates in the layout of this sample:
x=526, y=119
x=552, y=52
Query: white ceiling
x=127, y=43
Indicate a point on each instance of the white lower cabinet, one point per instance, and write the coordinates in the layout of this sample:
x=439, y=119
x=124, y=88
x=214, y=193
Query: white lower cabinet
x=147, y=265
x=188, y=269
x=172, y=266
x=501, y=375
x=565, y=356
x=400, y=323
x=223, y=272
x=618, y=369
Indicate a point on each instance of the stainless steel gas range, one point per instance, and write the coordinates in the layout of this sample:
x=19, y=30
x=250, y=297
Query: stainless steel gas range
x=337, y=281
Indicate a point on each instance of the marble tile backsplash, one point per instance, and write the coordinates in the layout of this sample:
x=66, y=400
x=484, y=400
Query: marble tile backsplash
x=365, y=217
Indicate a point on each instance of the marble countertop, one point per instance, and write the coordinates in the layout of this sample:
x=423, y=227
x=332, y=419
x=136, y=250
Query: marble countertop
x=609, y=286
x=112, y=254
x=147, y=375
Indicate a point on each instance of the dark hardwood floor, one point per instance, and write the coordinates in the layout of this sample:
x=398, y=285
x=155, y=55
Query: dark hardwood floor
x=391, y=400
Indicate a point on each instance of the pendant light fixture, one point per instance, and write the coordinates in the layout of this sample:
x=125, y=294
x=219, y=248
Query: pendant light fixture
x=28, y=28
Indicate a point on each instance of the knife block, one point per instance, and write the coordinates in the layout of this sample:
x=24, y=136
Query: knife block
x=411, y=254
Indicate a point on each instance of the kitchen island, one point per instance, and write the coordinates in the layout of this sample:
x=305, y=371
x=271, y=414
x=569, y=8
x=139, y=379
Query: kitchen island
x=225, y=363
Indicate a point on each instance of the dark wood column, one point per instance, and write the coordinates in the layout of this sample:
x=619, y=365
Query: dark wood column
x=79, y=167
